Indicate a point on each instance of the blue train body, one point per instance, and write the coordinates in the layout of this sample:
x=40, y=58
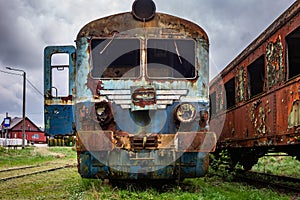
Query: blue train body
x=138, y=97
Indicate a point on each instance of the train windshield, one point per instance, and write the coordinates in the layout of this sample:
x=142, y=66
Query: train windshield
x=171, y=58
x=115, y=58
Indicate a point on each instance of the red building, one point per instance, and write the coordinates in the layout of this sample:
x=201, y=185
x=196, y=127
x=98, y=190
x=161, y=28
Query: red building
x=32, y=132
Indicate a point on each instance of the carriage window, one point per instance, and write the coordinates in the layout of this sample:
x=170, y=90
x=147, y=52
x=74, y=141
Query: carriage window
x=293, y=42
x=230, y=93
x=170, y=58
x=256, y=76
x=115, y=58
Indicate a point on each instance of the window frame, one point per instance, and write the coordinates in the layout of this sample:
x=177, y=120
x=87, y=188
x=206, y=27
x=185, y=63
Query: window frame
x=291, y=36
x=229, y=92
x=111, y=39
x=251, y=81
x=173, y=78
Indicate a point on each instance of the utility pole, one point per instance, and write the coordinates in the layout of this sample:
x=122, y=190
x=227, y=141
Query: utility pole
x=24, y=103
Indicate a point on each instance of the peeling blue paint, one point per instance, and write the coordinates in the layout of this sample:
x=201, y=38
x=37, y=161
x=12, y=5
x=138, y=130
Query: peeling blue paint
x=58, y=111
x=139, y=117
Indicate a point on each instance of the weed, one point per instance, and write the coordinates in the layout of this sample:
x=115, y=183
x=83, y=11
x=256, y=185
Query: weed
x=279, y=165
x=67, y=184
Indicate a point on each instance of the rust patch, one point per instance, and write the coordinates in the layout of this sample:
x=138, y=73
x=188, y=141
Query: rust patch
x=94, y=85
x=141, y=142
x=104, y=27
x=196, y=141
x=274, y=57
x=90, y=140
x=258, y=115
x=220, y=99
x=294, y=115
x=143, y=96
x=122, y=140
x=240, y=84
x=66, y=99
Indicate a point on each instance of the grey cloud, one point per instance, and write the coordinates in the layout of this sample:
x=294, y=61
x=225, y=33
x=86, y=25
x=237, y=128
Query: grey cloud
x=27, y=26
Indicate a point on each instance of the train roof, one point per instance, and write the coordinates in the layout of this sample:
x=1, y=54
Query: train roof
x=107, y=26
x=284, y=18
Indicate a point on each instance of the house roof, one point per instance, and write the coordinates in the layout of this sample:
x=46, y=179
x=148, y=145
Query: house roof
x=17, y=120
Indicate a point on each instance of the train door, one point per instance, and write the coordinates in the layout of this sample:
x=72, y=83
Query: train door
x=59, y=87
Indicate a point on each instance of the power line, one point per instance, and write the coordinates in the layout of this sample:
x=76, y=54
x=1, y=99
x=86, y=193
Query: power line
x=11, y=73
x=34, y=87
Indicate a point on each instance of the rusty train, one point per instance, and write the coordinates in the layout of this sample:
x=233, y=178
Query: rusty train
x=138, y=97
x=256, y=98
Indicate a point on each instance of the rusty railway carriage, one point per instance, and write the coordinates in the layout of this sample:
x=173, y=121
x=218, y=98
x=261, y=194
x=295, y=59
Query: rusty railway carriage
x=258, y=95
x=138, y=96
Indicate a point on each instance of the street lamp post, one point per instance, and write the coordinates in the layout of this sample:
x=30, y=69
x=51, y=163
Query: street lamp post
x=24, y=103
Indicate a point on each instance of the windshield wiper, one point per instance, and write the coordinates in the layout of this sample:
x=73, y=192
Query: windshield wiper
x=101, y=52
x=177, y=51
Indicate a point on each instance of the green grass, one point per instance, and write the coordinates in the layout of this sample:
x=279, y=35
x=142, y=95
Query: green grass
x=32, y=155
x=9, y=158
x=280, y=165
x=201, y=188
x=67, y=183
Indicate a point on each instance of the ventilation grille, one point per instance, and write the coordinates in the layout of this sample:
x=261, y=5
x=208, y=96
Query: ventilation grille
x=163, y=97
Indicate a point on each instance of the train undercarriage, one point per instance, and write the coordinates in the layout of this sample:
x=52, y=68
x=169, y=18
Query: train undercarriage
x=247, y=157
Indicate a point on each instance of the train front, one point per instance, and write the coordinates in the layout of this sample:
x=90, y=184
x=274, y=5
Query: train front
x=142, y=104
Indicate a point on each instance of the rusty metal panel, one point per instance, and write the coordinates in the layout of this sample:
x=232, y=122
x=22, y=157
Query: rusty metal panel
x=291, y=96
x=89, y=141
x=241, y=84
x=109, y=25
x=262, y=116
x=196, y=141
x=144, y=142
x=157, y=165
x=274, y=59
x=143, y=98
x=294, y=115
x=272, y=117
x=286, y=102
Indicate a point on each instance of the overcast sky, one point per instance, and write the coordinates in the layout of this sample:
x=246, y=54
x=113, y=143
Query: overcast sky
x=28, y=26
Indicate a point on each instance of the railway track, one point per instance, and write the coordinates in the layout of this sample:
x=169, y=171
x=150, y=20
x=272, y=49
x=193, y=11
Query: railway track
x=19, y=172
x=276, y=181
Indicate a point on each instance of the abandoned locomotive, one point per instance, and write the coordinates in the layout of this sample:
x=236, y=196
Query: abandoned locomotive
x=138, y=98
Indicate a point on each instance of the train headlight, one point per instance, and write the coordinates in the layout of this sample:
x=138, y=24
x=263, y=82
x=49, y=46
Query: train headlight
x=103, y=113
x=186, y=112
x=143, y=10
x=100, y=111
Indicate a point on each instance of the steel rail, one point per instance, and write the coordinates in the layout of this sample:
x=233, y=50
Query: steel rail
x=36, y=172
x=277, y=181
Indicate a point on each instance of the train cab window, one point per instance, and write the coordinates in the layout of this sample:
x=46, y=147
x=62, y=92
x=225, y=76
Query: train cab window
x=230, y=93
x=256, y=76
x=115, y=58
x=293, y=43
x=171, y=58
